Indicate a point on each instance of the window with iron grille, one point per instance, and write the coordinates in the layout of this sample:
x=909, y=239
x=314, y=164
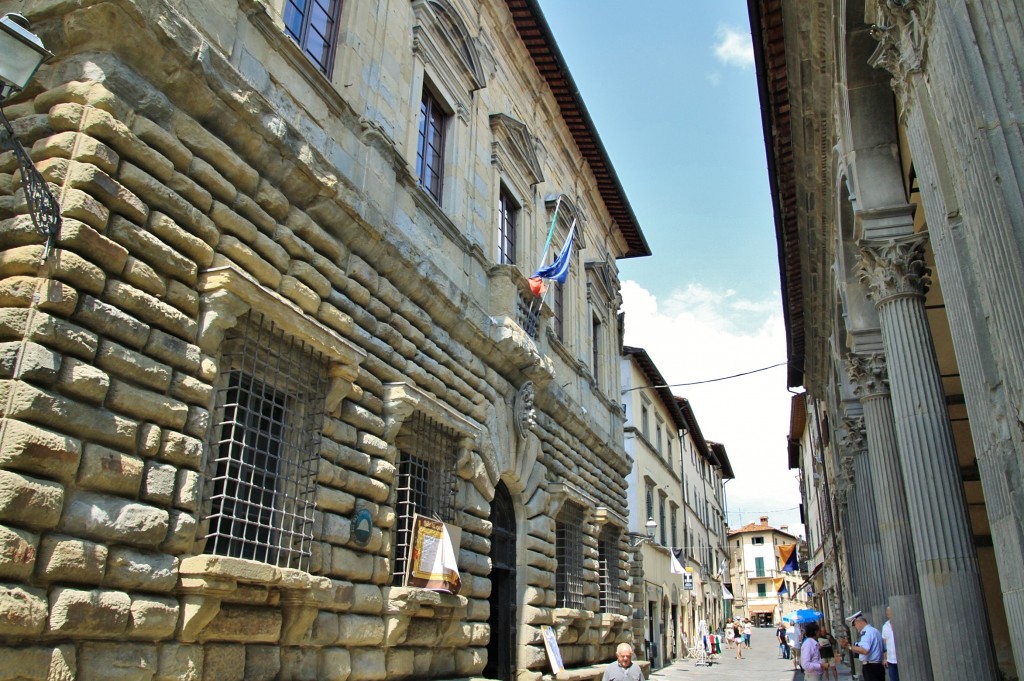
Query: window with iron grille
x=430, y=148
x=509, y=216
x=608, y=569
x=265, y=446
x=569, y=554
x=426, y=480
x=313, y=25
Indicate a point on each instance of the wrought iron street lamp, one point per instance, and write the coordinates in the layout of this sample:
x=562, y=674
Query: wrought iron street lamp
x=636, y=540
x=21, y=53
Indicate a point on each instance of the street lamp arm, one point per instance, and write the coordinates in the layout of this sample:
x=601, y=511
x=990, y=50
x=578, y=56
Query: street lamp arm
x=42, y=204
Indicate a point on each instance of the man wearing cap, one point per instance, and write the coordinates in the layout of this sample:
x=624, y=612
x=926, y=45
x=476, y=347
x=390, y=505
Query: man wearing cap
x=869, y=647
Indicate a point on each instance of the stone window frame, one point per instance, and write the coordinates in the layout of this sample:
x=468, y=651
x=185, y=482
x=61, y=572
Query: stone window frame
x=518, y=171
x=227, y=294
x=401, y=401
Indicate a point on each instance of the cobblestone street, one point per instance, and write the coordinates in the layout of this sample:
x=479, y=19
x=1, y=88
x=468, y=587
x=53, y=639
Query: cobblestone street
x=761, y=662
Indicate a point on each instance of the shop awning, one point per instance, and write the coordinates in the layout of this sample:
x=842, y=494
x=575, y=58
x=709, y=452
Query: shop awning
x=755, y=609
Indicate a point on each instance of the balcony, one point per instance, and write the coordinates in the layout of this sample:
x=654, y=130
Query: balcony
x=768, y=574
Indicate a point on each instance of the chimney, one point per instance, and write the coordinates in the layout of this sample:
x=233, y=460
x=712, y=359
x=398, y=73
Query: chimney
x=784, y=528
x=764, y=520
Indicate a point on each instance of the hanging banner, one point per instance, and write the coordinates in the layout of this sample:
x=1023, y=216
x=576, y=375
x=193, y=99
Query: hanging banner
x=432, y=563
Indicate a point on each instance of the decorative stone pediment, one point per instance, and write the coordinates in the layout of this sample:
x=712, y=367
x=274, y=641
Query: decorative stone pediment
x=441, y=38
x=514, y=153
x=227, y=293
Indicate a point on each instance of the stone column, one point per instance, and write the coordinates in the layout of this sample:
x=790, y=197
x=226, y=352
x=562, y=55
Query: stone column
x=947, y=567
x=869, y=545
x=868, y=375
x=854, y=531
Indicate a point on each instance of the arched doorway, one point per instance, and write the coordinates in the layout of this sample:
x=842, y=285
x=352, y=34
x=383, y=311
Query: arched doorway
x=501, y=661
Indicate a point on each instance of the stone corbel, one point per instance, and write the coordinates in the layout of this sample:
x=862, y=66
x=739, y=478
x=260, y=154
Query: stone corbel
x=227, y=293
x=402, y=400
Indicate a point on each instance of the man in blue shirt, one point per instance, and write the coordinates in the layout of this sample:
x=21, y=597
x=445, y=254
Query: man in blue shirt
x=868, y=647
x=623, y=668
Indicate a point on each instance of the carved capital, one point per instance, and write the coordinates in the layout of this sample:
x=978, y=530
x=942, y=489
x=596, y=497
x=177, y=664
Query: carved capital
x=852, y=439
x=900, y=28
x=893, y=267
x=869, y=375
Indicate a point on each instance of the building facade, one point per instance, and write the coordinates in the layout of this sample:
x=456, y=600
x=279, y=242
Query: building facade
x=764, y=592
x=285, y=346
x=653, y=424
x=893, y=141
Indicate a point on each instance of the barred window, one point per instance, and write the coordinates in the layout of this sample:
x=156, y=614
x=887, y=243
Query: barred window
x=265, y=446
x=608, y=569
x=426, y=480
x=569, y=554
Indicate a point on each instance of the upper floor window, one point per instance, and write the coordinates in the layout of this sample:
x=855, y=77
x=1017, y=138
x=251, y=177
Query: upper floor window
x=662, y=530
x=657, y=431
x=645, y=418
x=430, y=147
x=558, y=308
x=757, y=540
x=595, y=345
x=313, y=25
x=508, y=211
x=265, y=446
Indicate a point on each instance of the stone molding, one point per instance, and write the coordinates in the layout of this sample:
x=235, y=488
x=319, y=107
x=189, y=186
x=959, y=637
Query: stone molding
x=894, y=268
x=226, y=293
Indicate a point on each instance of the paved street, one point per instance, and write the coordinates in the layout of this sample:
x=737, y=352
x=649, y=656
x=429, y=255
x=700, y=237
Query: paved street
x=760, y=662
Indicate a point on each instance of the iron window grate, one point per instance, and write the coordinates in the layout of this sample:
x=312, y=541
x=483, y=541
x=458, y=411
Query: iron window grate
x=608, y=570
x=426, y=480
x=569, y=583
x=265, y=450
x=528, y=315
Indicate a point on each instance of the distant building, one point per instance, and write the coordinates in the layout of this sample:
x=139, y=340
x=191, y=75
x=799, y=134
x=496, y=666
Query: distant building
x=763, y=592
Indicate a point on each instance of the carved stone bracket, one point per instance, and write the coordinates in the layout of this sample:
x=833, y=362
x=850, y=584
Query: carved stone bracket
x=894, y=267
x=868, y=374
x=227, y=293
x=206, y=582
x=402, y=400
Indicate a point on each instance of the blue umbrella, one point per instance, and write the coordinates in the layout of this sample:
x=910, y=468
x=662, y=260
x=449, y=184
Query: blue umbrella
x=803, y=616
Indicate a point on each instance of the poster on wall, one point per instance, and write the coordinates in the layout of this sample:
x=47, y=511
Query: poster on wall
x=432, y=563
x=551, y=646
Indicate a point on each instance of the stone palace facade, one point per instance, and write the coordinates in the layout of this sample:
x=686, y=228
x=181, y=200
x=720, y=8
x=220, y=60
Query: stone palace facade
x=287, y=325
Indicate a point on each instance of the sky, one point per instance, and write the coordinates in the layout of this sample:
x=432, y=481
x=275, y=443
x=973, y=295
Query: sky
x=671, y=88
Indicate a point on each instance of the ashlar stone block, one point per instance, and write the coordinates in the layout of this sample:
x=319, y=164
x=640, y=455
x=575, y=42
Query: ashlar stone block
x=96, y=613
x=31, y=449
x=368, y=664
x=262, y=663
x=18, y=551
x=38, y=663
x=108, y=470
x=152, y=618
x=176, y=662
x=23, y=610
x=29, y=502
x=68, y=559
x=132, y=570
x=335, y=664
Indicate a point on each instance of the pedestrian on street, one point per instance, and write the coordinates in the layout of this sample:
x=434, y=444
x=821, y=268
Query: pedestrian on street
x=810, y=653
x=730, y=633
x=748, y=629
x=869, y=647
x=623, y=668
x=780, y=634
x=828, y=654
x=793, y=639
x=889, y=642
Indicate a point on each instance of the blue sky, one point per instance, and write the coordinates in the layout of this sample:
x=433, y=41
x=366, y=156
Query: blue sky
x=671, y=88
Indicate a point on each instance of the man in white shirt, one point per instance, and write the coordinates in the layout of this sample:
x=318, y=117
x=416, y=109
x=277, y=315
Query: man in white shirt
x=793, y=637
x=889, y=643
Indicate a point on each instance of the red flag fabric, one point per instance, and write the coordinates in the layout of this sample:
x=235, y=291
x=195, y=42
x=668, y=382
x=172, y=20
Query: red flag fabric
x=537, y=286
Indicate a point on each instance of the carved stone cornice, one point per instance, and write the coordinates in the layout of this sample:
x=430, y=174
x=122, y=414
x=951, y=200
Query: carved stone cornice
x=893, y=267
x=868, y=374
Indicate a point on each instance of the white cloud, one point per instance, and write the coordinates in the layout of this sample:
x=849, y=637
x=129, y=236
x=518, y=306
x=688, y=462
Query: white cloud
x=699, y=334
x=734, y=47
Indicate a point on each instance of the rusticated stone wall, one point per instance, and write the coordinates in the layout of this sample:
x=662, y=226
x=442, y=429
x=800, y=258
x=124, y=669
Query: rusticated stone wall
x=188, y=197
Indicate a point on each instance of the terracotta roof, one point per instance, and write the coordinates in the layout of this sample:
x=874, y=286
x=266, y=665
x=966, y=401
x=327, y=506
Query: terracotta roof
x=761, y=526
x=773, y=87
x=536, y=34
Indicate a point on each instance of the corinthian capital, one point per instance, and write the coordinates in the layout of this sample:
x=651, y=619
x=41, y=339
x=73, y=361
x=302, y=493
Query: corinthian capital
x=868, y=374
x=893, y=267
x=852, y=439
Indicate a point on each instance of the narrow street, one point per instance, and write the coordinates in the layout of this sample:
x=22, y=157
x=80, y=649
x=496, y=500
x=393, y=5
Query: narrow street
x=761, y=662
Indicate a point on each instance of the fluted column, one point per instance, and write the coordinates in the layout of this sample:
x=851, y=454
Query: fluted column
x=854, y=531
x=947, y=567
x=868, y=546
x=870, y=378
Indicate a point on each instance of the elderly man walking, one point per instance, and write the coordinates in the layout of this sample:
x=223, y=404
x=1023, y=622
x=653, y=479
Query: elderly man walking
x=869, y=647
x=623, y=668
